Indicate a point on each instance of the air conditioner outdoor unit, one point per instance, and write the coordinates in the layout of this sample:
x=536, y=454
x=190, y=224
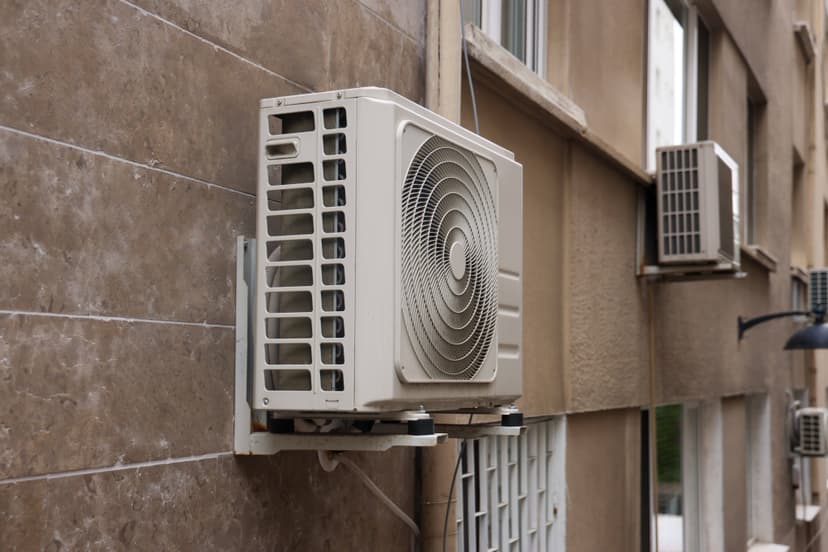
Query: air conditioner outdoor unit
x=810, y=432
x=818, y=289
x=388, y=271
x=697, y=187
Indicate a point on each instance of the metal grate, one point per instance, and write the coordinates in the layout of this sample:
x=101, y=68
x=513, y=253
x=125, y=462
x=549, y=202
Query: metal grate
x=512, y=493
x=818, y=288
x=449, y=260
x=812, y=432
x=679, y=172
x=304, y=197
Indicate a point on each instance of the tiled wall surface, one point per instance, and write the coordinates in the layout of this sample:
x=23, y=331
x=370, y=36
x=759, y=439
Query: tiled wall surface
x=127, y=168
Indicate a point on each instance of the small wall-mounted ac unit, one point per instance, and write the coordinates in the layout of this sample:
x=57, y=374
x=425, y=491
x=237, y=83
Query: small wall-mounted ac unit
x=388, y=260
x=697, y=188
x=810, y=432
x=818, y=289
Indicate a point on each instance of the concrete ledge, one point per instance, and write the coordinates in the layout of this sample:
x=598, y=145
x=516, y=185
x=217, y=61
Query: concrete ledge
x=806, y=41
x=761, y=256
x=502, y=71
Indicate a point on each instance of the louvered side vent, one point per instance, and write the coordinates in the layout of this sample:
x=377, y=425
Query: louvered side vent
x=307, y=215
x=812, y=431
x=818, y=288
x=679, y=191
x=449, y=260
x=512, y=491
x=698, y=206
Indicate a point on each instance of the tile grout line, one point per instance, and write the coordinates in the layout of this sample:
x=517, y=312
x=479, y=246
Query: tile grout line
x=103, y=318
x=116, y=468
x=394, y=26
x=111, y=157
x=214, y=45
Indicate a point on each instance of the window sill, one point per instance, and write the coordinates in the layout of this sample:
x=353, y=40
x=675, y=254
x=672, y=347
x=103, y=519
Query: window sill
x=807, y=514
x=805, y=37
x=767, y=547
x=761, y=256
x=799, y=273
x=539, y=98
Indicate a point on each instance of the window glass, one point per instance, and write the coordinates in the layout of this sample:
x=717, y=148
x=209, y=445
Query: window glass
x=678, y=62
x=666, y=73
x=670, y=518
x=517, y=25
x=750, y=187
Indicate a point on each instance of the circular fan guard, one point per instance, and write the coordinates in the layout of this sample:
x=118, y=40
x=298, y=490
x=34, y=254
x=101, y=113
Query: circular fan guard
x=449, y=260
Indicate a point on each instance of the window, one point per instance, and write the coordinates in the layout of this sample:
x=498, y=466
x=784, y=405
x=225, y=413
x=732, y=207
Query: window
x=677, y=76
x=758, y=470
x=676, y=476
x=797, y=294
x=517, y=25
x=799, y=209
x=750, y=182
x=511, y=491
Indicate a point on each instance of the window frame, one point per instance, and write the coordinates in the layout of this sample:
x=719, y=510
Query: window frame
x=691, y=478
x=488, y=15
x=694, y=108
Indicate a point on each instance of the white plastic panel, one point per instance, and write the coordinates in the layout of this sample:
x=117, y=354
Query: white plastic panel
x=511, y=491
x=818, y=288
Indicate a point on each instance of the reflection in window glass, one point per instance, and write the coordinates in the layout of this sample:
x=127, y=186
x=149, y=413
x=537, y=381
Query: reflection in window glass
x=517, y=25
x=666, y=69
x=513, y=30
x=668, y=463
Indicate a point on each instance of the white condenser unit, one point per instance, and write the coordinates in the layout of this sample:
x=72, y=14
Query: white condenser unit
x=697, y=187
x=818, y=289
x=388, y=272
x=811, y=432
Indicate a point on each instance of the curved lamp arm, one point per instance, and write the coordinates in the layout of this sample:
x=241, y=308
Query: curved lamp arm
x=745, y=325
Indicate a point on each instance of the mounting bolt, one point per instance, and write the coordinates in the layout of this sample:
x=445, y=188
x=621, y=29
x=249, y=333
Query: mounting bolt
x=265, y=401
x=339, y=95
x=278, y=102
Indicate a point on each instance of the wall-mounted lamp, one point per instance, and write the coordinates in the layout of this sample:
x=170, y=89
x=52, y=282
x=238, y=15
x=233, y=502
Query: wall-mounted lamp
x=812, y=336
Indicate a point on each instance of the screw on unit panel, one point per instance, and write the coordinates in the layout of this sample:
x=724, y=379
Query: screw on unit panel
x=278, y=102
x=265, y=401
x=339, y=95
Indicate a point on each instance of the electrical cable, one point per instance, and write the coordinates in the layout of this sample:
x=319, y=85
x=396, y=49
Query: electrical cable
x=468, y=69
x=330, y=461
x=460, y=456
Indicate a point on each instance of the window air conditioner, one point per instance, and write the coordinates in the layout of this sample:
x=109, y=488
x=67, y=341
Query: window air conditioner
x=697, y=187
x=818, y=288
x=388, y=260
x=810, y=432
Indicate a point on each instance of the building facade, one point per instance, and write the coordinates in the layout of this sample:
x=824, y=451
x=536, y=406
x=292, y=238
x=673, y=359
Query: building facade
x=128, y=137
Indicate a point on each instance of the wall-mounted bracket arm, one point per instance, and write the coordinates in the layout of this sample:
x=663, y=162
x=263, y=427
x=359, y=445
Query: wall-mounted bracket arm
x=745, y=325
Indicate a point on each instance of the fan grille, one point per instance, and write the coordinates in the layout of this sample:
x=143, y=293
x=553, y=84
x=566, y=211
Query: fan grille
x=449, y=260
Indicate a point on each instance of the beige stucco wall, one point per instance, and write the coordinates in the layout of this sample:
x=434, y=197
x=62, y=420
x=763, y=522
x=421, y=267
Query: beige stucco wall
x=603, y=460
x=597, y=57
x=542, y=154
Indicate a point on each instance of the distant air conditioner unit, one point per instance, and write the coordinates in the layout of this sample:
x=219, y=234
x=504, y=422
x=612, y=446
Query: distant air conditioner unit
x=818, y=289
x=810, y=432
x=697, y=187
x=388, y=260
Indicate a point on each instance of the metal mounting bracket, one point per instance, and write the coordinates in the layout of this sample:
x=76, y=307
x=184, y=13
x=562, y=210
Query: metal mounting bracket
x=251, y=436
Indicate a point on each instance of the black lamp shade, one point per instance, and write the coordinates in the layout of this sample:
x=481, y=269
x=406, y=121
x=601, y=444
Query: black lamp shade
x=810, y=337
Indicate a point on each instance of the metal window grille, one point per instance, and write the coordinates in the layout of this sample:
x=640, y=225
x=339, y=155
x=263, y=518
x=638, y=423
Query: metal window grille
x=511, y=491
